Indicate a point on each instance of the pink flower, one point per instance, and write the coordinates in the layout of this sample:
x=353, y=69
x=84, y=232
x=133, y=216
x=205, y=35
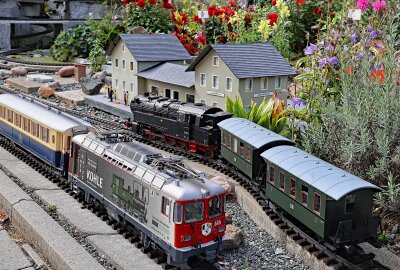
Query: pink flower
x=362, y=4
x=379, y=5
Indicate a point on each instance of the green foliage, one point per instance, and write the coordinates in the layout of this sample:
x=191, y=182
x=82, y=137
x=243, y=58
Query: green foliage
x=269, y=114
x=389, y=200
x=359, y=130
x=74, y=42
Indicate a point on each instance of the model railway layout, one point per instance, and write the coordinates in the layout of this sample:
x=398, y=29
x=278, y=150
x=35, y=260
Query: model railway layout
x=273, y=188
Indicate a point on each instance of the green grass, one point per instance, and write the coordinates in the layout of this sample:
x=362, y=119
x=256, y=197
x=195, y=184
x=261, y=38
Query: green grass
x=46, y=59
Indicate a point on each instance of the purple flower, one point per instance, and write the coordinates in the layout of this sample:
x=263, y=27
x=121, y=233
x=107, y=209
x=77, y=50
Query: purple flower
x=370, y=28
x=378, y=45
x=322, y=62
x=354, y=37
x=373, y=34
x=310, y=49
x=360, y=55
x=322, y=43
x=330, y=48
x=333, y=61
x=297, y=102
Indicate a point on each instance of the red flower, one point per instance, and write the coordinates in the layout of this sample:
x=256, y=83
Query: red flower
x=222, y=39
x=378, y=75
x=141, y=3
x=124, y=2
x=197, y=19
x=201, y=38
x=318, y=10
x=167, y=4
x=273, y=2
x=152, y=2
x=213, y=11
x=232, y=3
x=331, y=14
x=300, y=2
x=273, y=17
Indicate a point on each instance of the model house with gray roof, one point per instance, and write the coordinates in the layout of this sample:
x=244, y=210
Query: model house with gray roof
x=251, y=71
x=132, y=54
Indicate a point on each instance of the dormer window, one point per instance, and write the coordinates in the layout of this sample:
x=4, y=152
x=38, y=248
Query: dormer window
x=215, y=61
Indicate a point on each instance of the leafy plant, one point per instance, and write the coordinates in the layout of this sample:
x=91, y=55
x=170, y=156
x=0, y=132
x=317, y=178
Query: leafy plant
x=270, y=114
x=388, y=200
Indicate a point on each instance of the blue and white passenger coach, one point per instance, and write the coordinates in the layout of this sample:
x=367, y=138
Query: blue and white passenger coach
x=42, y=130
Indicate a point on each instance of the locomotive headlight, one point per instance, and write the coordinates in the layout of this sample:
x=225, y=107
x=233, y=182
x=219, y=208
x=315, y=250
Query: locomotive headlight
x=221, y=229
x=186, y=238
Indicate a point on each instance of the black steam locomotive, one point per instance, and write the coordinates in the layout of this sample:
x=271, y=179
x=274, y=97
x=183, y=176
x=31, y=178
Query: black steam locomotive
x=190, y=126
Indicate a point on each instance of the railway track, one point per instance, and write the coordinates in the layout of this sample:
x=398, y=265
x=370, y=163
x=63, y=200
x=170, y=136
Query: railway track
x=300, y=235
x=5, y=56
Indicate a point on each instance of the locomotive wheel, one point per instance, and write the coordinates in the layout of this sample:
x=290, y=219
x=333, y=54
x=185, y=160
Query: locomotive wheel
x=182, y=145
x=170, y=141
x=210, y=153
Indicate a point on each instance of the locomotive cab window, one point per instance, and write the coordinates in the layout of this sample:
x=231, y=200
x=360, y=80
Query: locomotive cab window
x=350, y=201
x=272, y=174
x=317, y=202
x=292, y=190
x=282, y=181
x=215, y=206
x=165, y=206
x=304, y=195
x=178, y=213
x=194, y=212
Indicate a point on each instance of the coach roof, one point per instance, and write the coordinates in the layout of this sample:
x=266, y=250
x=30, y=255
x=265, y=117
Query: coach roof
x=46, y=116
x=319, y=174
x=251, y=133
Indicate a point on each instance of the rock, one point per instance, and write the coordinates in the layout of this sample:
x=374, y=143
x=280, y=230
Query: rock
x=91, y=86
x=395, y=229
x=5, y=74
x=279, y=251
x=19, y=71
x=101, y=76
x=228, y=217
x=89, y=72
x=55, y=85
x=233, y=237
x=223, y=182
x=46, y=91
x=139, y=30
x=67, y=71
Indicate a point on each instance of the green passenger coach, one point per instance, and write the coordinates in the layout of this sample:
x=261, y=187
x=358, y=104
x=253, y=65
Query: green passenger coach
x=243, y=141
x=309, y=188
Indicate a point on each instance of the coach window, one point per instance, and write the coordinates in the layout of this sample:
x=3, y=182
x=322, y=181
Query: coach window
x=27, y=125
x=223, y=137
x=10, y=116
x=282, y=181
x=241, y=149
x=304, y=195
x=45, y=134
x=165, y=206
x=35, y=130
x=317, y=202
x=349, y=207
x=18, y=120
x=248, y=153
x=228, y=140
x=272, y=174
x=292, y=190
x=235, y=145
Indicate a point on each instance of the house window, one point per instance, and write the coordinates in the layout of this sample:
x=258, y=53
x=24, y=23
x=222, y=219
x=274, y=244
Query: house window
x=264, y=84
x=116, y=82
x=241, y=149
x=248, y=153
x=10, y=116
x=249, y=85
x=18, y=120
x=131, y=87
x=228, y=84
x=215, y=104
x=123, y=64
x=154, y=90
x=168, y=93
x=131, y=66
x=215, y=61
x=45, y=134
x=317, y=202
x=116, y=62
x=304, y=195
x=215, y=83
x=203, y=79
x=202, y=101
x=282, y=181
x=349, y=207
x=123, y=85
x=27, y=125
x=292, y=190
x=123, y=48
x=165, y=206
x=189, y=98
x=272, y=174
x=278, y=81
x=176, y=95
